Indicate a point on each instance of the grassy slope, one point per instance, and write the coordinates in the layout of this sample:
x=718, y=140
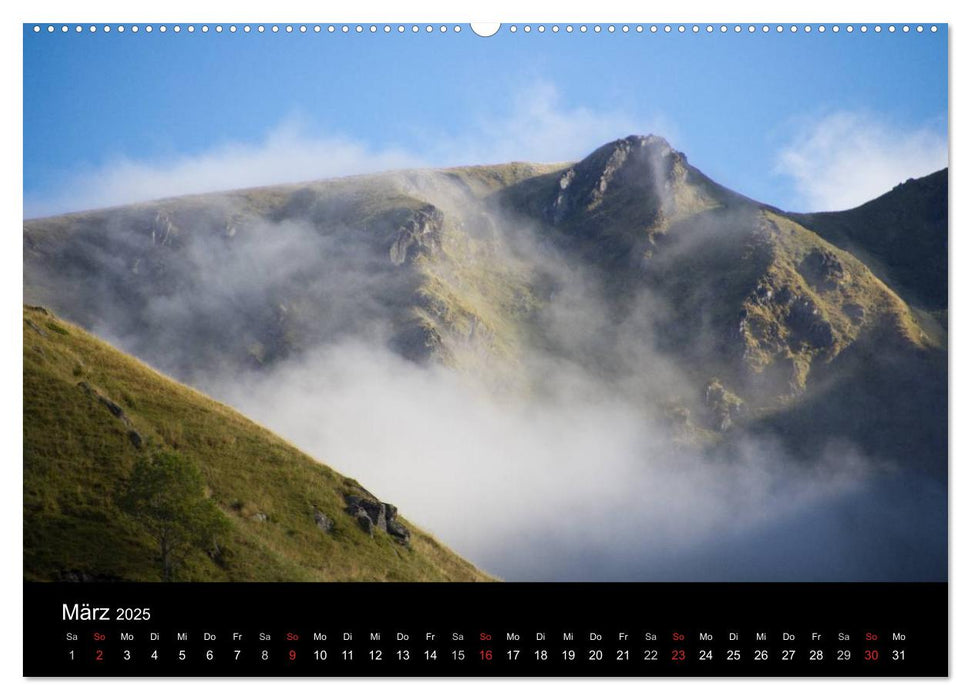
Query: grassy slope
x=466, y=287
x=77, y=456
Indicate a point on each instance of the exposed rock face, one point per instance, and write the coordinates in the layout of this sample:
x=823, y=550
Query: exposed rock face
x=559, y=208
x=163, y=228
x=323, y=522
x=723, y=406
x=116, y=410
x=417, y=342
x=779, y=323
x=216, y=554
x=822, y=269
x=364, y=521
x=421, y=233
x=808, y=324
x=647, y=163
x=394, y=528
x=374, y=515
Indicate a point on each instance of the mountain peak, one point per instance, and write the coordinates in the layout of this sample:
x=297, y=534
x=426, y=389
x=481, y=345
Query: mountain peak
x=646, y=163
x=645, y=141
x=635, y=148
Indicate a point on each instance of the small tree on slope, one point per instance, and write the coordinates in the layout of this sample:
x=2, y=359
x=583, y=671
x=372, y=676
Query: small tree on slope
x=166, y=494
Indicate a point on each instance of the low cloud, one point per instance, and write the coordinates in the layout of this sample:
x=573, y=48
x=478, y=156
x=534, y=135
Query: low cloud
x=845, y=159
x=286, y=154
x=578, y=485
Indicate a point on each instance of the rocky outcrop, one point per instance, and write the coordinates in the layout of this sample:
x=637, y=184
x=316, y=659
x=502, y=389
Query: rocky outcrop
x=163, y=228
x=798, y=320
x=723, y=406
x=372, y=515
x=216, y=554
x=808, y=324
x=393, y=527
x=116, y=410
x=647, y=163
x=323, y=522
x=417, y=341
x=822, y=270
x=422, y=232
x=560, y=205
x=37, y=329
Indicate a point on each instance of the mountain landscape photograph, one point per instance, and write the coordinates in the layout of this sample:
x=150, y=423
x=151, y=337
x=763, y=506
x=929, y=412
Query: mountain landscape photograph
x=428, y=306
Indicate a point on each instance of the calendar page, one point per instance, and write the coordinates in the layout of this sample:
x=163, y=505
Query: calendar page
x=544, y=349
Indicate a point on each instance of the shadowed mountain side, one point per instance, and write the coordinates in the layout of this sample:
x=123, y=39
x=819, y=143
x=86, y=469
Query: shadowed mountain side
x=901, y=235
x=881, y=396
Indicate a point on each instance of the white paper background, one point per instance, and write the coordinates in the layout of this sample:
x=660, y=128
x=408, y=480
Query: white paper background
x=602, y=11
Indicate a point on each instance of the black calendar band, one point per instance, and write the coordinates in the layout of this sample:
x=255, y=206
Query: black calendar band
x=477, y=630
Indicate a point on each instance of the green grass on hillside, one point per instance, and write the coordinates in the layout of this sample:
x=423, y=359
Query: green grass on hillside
x=78, y=457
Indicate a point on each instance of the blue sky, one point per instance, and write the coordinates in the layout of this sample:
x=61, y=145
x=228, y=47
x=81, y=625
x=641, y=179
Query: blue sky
x=803, y=121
